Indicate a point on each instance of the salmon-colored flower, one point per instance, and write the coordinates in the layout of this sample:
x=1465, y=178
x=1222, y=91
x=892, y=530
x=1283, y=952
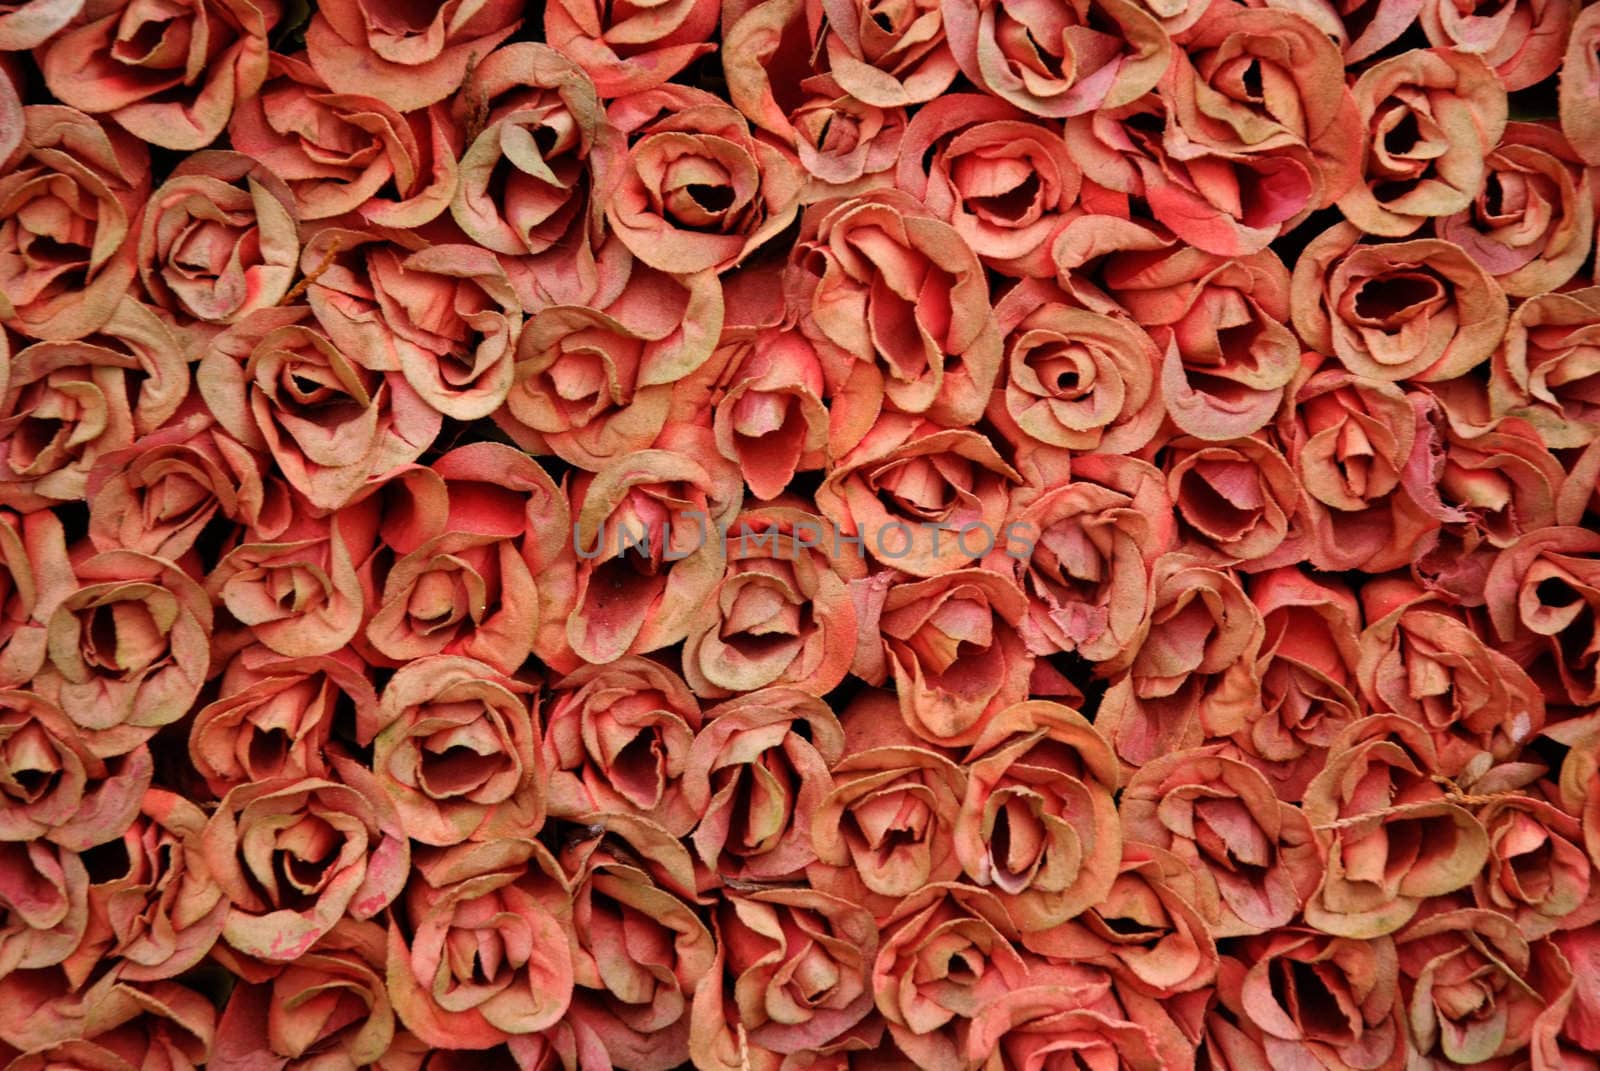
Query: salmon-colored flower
x=68, y=404
x=34, y=574
x=1544, y=369
x=218, y=239
x=617, y=739
x=770, y=421
x=407, y=58
x=1542, y=595
x=1431, y=119
x=170, y=73
x=503, y=905
x=1391, y=837
x=1037, y=825
x=1083, y=1015
x=1223, y=819
x=1192, y=675
x=1520, y=39
x=45, y=901
x=128, y=649
x=329, y=1007
x=632, y=48
x=1094, y=540
x=293, y=857
x=1238, y=502
x=756, y=775
x=1538, y=872
x=347, y=152
x=74, y=190
x=458, y=752
x=276, y=716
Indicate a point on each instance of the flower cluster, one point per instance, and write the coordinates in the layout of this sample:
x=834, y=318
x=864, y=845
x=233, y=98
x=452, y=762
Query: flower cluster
x=799, y=535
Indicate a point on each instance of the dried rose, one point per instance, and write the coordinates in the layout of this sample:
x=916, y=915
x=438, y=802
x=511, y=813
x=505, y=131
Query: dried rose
x=1432, y=117
x=1542, y=594
x=69, y=213
x=167, y=73
x=1544, y=372
x=408, y=58
x=44, y=906
x=755, y=775
x=771, y=421
x=1538, y=872
x=632, y=48
x=346, y=152
x=1521, y=39
x=1224, y=820
x=67, y=405
x=1391, y=837
x=617, y=739
x=1037, y=824
x=34, y=574
x=458, y=752
x=1238, y=502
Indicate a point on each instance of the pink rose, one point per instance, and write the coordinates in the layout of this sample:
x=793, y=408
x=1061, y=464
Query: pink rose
x=34, y=575
x=76, y=189
x=408, y=60
x=1541, y=372
x=633, y=48
x=179, y=95
x=1520, y=39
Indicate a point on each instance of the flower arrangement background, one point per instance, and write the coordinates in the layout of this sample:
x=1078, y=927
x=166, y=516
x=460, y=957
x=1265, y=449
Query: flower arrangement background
x=788, y=535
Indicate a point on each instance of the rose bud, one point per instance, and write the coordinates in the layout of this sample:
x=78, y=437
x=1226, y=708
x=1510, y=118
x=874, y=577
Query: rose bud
x=687, y=188
x=1237, y=501
x=923, y=499
x=1474, y=987
x=69, y=210
x=1362, y=449
x=477, y=953
x=539, y=122
x=1082, y=1016
x=218, y=239
x=31, y=23
x=794, y=973
x=443, y=315
x=330, y=423
x=1538, y=873
x=1003, y=182
x=275, y=717
x=342, y=152
x=898, y=306
x=1192, y=675
x=1542, y=595
x=159, y=911
x=1094, y=541
x=1219, y=323
x=329, y=1008
x=952, y=646
x=1222, y=818
x=43, y=908
x=1037, y=824
x=458, y=752
x=617, y=739
x=34, y=574
x=1334, y=1001
x=771, y=421
x=1431, y=117
x=890, y=816
x=1544, y=370
x=1391, y=837
x=595, y=386
x=410, y=60
x=294, y=857
x=1062, y=60
x=170, y=74
x=638, y=947
x=53, y=787
x=646, y=549
x=1533, y=224
x=1522, y=40
x=1580, y=112
x=946, y=954
x=129, y=649
x=158, y=495
x=66, y=405
x=1147, y=931
x=634, y=48
x=1074, y=379
x=299, y=594
x=781, y=613
x=1427, y=664
x=756, y=774
x=1307, y=668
